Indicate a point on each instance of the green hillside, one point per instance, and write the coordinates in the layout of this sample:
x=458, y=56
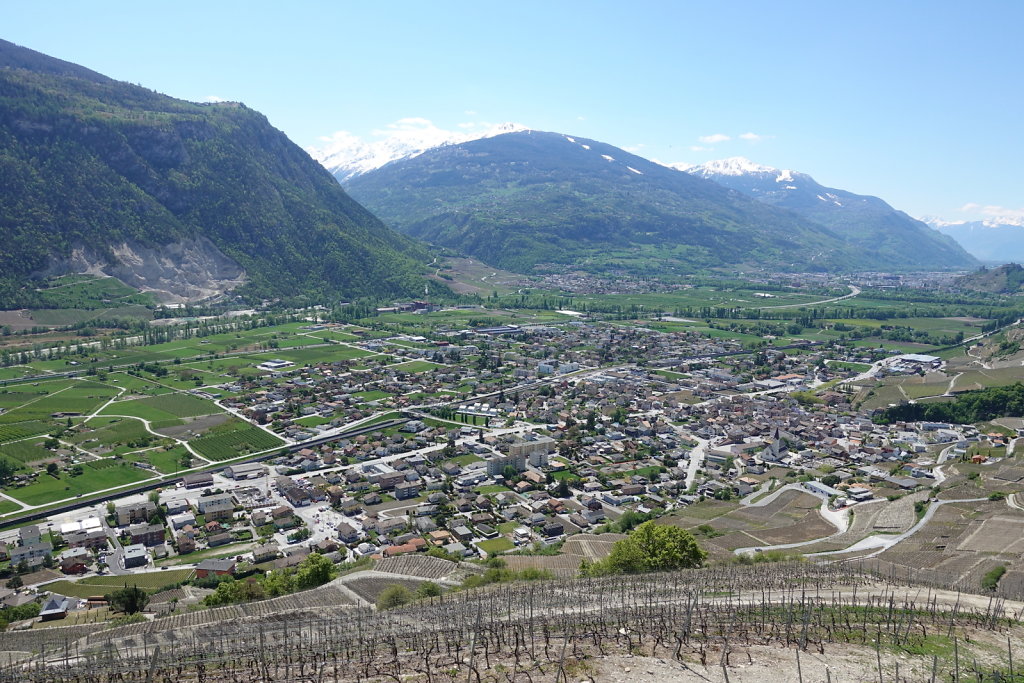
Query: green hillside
x=531, y=199
x=91, y=163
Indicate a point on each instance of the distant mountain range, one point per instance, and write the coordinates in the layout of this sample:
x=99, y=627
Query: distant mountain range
x=184, y=199
x=988, y=240
x=531, y=199
x=867, y=222
x=347, y=156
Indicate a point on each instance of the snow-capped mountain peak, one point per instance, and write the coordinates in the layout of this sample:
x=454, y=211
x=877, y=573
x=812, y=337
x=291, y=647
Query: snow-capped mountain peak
x=732, y=166
x=346, y=155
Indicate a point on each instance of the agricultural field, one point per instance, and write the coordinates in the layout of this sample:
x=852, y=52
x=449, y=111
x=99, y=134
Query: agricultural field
x=415, y=366
x=61, y=317
x=136, y=385
x=108, y=436
x=90, y=292
x=96, y=476
x=496, y=545
x=233, y=440
x=22, y=430
x=792, y=517
x=26, y=451
x=319, y=354
x=39, y=401
x=163, y=460
x=151, y=582
x=961, y=543
x=164, y=407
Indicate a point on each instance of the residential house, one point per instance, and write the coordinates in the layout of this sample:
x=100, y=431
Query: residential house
x=223, y=567
x=134, y=513
x=135, y=556
x=146, y=534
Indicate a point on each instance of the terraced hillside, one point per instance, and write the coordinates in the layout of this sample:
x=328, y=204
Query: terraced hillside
x=739, y=622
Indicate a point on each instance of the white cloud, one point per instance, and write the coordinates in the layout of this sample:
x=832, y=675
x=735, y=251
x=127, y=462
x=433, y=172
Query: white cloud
x=581, y=118
x=754, y=137
x=714, y=139
x=213, y=98
x=698, y=148
x=469, y=112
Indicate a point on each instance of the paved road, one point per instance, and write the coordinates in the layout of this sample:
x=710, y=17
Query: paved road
x=854, y=291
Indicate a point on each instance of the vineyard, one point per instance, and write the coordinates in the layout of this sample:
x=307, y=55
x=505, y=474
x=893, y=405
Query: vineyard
x=22, y=430
x=234, y=442
x=714, y=624
x=25, y=451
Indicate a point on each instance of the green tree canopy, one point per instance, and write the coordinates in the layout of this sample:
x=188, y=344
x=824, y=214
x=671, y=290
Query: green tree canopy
x=394, y=596
x=130, y=599
x=651, y=547
x=315, y=570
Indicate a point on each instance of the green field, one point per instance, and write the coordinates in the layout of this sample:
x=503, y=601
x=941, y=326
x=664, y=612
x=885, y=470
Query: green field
x=109, y=436
x=496, y=545
x=232, y=440
x=853, y=367
x=492, y=488
x=39, y=402
x=151, y=582
x=90, y=291
x=372, y=395
x=320, y=354
x=95, y=477
x=415, y=366
x=25, y=451
x=166, y=407
x=22, y=430
x=165, y=462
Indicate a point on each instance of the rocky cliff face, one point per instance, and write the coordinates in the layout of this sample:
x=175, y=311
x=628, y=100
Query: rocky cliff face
x=189, y=270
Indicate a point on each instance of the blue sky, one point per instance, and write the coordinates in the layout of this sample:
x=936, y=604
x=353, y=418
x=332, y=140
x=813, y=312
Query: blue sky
x=917, y=102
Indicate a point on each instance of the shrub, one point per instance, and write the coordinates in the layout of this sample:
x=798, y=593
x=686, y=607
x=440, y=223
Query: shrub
x=991, y=579
x=394, y=596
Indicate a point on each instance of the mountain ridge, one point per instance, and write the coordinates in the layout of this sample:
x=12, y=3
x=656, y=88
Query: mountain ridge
x=87, y=162
x=865, y=221
x=522, y=199
x=534, y=199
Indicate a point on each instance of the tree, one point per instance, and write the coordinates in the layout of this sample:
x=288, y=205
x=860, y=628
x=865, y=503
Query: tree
x=7, y=470
x=315, y=570
x=651, y=547
x=428, y=589
x=394, y=596
x=15, y=582
x=278, y=583
x=130, y=599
